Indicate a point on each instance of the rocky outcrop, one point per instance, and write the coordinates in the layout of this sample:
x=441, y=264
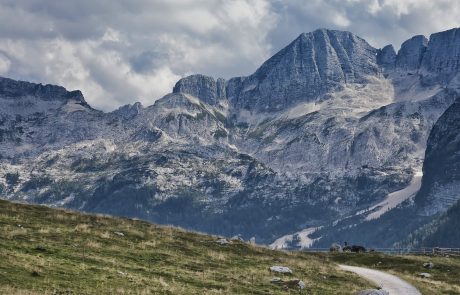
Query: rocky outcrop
x=442, y=56
x=410, y=55
x=203, y=87
x=441, y=168
x=129, y=111
x=386, y=58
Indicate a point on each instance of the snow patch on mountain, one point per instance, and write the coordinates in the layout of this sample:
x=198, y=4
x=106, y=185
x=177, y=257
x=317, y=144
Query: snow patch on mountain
x=298, y=240
x=394, y=199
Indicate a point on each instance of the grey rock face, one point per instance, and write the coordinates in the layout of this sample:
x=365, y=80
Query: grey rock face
x=314, y=64
x=181, y=117
x=129, y=111
x=443, y=54
x=386, y=57
x=206, y=88
x=411, y=53
x=12, y=89
x=441, y=179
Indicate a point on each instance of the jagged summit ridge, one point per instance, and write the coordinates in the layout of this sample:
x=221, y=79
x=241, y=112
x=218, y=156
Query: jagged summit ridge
x=203, y=87
x=323, y=61
x=410, y=55
x=11, y=89
x=442, y=55
x=436, y=59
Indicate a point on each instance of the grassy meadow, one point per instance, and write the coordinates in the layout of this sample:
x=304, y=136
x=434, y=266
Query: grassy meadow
x=53, y=251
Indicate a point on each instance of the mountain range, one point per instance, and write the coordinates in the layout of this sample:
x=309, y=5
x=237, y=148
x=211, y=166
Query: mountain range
x=329, y=139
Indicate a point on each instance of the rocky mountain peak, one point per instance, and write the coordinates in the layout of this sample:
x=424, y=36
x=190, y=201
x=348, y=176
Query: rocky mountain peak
x=443, y=53
x=411, y=54
x=203, y=87
x=386, y=57
x=313, y=64
x=12, y=89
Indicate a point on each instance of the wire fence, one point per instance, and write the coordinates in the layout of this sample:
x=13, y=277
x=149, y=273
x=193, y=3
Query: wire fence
x=404, y=251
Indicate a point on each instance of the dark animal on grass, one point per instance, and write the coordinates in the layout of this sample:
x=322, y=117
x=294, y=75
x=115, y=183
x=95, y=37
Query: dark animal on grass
x=354, y=249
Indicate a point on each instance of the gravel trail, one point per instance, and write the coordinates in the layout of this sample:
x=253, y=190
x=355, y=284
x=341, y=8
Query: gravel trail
x=388, y=282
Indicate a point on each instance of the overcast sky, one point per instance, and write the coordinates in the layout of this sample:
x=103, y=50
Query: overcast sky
x=122, y=51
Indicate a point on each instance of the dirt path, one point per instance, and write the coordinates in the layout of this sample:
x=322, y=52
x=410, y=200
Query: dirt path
x=388, y=282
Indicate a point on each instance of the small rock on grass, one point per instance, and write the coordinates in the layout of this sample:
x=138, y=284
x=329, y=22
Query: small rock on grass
x=291, y=284
x=237, y=238
x=222, y=242
x=428, y=265
x=424, y=275
x=295, y=284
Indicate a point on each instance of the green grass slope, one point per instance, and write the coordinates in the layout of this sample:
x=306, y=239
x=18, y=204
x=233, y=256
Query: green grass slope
x=49, y=251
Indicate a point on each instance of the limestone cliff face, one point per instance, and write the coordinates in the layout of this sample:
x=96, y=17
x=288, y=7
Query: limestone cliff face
x=441, y=61
x=386, y=58
x=206, y=88
x=441, y=168
x=410, y=55
x=313, y=64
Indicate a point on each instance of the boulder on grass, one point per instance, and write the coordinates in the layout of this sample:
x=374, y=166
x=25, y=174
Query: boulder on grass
x=280, y=269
